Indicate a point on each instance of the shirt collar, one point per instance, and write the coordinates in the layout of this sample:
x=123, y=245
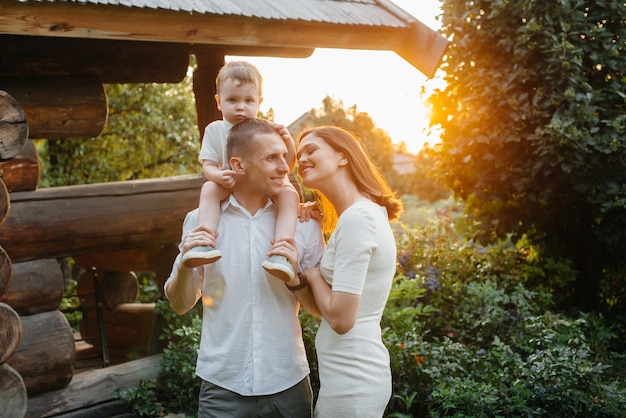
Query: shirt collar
x=232, y=202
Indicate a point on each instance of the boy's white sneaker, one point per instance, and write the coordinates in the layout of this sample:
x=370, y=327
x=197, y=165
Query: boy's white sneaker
x=279, y=267
x=199, y=256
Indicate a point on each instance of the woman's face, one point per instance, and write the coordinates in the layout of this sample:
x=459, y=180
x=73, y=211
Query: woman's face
x=317, y=162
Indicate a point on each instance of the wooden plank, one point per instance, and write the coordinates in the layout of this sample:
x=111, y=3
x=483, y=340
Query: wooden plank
x=93, y=387
x=423, y=48
x=96, y=218
x=60, y=107
x=122, y=23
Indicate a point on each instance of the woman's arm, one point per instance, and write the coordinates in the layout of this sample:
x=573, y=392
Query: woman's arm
x=339, y=309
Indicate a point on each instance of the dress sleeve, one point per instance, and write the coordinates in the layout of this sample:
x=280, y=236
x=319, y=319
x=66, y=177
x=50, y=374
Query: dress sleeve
x=355, y=241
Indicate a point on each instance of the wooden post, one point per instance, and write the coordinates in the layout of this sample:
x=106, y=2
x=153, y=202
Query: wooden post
x=209, y=64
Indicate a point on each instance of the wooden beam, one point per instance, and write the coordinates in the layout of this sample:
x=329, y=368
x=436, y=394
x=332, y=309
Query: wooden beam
x=60, y=107
x=95, y=218
x=109, y=61
x=123, y=23
x=93, y=387
x=36, y=286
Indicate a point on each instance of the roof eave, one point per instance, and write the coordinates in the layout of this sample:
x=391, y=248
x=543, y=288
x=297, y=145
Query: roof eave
x=419, y=45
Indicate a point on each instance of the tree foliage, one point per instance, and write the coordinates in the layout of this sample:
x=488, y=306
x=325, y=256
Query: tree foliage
x=534, y=125
x=376, y=141
x=151, y=132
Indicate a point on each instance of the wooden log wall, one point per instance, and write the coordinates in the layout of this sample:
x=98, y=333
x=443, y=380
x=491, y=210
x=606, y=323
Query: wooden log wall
x=114, y=228
x=13, y=392
x=98, y=218
x=45, y=355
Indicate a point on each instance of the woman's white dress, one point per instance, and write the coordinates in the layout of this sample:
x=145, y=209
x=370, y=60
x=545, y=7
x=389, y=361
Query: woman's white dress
x=354, y=368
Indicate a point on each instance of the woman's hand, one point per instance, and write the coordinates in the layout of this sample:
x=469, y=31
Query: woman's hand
x=308, y=210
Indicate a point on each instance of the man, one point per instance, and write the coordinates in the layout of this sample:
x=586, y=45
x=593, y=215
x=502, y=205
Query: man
x=251, y=360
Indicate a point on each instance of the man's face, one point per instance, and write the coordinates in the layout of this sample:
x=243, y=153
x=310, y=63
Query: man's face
x=238, y=101
x=267, y=166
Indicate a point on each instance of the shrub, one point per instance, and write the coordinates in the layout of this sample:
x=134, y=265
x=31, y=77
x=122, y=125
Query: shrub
x=470, y=334
x=176, y=389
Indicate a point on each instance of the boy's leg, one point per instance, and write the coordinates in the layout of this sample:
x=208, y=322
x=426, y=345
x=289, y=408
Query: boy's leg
x=287, y=202
x=209, y=209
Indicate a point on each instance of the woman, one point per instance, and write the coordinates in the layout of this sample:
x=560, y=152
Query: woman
x=351, y=286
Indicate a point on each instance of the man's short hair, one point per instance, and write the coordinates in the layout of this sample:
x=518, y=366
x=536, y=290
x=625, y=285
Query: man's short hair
x=240, y=142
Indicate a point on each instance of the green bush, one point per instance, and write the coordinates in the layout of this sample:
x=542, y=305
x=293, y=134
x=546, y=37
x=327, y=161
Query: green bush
x=176, y=389
x=552, y=374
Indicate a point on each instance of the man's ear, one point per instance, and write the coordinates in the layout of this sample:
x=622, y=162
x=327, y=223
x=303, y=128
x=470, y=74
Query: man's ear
x=237, y=165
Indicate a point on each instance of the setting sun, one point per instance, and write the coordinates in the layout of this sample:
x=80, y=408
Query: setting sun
x=379, y=83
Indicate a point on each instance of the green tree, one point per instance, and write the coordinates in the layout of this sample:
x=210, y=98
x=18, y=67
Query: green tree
x=151, y=132
x=534, y=126
x=376, y=141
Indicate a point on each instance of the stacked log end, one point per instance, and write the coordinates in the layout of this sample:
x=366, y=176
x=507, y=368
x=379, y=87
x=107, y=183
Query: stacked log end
x=44, y=358
x=99, y=223
x=13, y=394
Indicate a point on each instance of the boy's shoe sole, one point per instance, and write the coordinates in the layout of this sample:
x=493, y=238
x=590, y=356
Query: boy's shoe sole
x=279, y=267
x=200, y=256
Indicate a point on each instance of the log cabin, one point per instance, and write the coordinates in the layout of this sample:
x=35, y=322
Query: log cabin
x=56, y=57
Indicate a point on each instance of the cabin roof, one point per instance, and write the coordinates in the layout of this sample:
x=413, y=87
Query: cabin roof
x=272, y=27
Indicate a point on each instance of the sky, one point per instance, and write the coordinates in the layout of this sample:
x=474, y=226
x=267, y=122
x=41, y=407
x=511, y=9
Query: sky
x=380, y=83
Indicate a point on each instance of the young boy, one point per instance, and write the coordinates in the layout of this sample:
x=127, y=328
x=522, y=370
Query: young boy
x=238, y=98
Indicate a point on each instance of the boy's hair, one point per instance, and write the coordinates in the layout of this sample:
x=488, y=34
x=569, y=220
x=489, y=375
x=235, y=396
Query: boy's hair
x=242, y=71
x=239, y=143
